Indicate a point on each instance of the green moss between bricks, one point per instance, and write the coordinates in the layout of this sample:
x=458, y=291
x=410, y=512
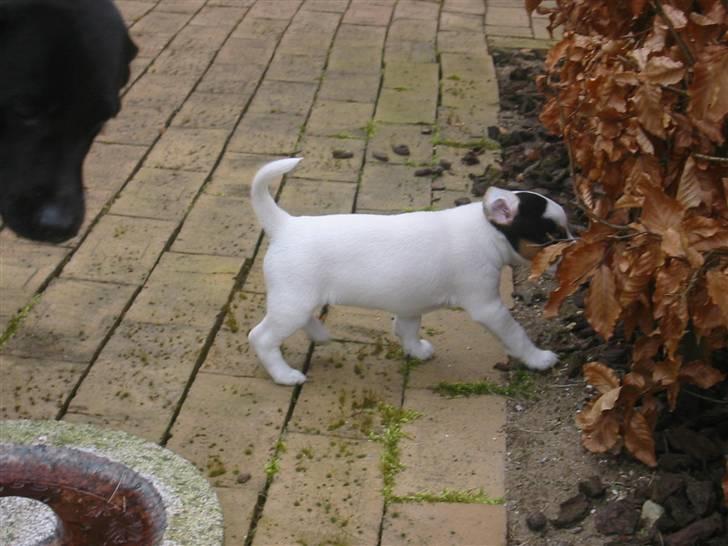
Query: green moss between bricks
x=473, y=496
x=273, y=466
x=17, y=320
x=520, y=386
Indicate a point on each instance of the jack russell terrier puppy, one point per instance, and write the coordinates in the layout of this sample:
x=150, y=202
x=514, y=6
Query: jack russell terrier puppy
x=408, y=264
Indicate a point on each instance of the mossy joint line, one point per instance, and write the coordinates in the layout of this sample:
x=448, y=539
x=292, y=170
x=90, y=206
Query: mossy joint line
x=520, y=386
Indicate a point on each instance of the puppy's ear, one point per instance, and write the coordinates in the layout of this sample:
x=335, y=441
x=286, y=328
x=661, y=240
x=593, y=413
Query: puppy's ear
x=500, y=206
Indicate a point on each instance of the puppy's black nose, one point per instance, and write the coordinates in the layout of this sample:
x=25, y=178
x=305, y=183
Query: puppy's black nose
x=55, y=223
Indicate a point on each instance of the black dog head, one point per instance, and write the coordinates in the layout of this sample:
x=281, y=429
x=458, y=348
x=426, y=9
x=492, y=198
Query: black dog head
x=62, y=64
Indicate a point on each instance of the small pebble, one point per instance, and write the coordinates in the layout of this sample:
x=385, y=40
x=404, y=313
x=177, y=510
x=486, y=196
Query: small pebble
x=423, y=172
x=536, y=521
x=243, y=477
x=342, y=154
x=445, y=164
x=401, y=149
x=461, y=201
x=380, y=156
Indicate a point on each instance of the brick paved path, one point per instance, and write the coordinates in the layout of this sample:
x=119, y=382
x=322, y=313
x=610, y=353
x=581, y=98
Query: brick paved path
x=140, y=322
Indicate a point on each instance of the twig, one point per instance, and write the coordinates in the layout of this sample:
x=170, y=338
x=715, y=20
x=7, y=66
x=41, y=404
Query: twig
x=563, y=386
x=681, y=92
x=683, y=46
x=711, y=158
x=599, y=220
x=108, y=501
x=706, y=398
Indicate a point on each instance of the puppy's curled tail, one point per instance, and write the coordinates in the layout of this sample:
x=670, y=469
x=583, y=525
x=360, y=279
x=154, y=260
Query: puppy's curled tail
x=269, y=214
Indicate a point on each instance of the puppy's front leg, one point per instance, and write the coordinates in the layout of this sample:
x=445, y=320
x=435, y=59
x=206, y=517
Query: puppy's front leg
x=407, y=329
x=498, y=320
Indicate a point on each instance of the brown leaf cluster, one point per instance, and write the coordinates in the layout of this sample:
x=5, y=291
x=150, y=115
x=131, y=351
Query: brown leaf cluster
x=639, y=90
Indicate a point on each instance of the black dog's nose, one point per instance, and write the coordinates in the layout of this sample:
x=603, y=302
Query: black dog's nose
x=56, y=223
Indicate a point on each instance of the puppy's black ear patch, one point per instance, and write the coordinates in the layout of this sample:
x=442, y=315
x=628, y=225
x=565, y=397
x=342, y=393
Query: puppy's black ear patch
x=529, y=228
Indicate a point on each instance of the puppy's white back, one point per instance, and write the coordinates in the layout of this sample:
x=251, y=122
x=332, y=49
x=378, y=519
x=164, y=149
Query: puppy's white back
x=406, y=263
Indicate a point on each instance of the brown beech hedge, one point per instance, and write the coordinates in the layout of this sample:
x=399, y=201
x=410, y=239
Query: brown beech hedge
x=639, y=91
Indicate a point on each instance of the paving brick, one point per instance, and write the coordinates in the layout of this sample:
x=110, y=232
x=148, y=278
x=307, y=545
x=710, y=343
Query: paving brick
x=332, y=118
x=151, y=365
x=136, y=125
x=392, y=188
x=232, y=79
x=188, y=149
x=231, y=353
x=233, y=175
x=280, y=9
x=319, y=164
x=158, y=22
x=327, y=491
x=230, y=425
x=132, y=10
x=387, y=136
x=413, y=9
x=150, y=45
x=246, y=51
x=460, y=21
x=465, y=353
x=316, y=198
x=291, y=67
x=267, y=133
x=290, y=97
x=158, y=193
x=260, y=27
x=159, y=91
x=237, y=511
x=310, y=32
x=346, y=383
x=120, y=249
x=58, y=326
x=508, y=42
x=335, y=6
x=461, y=42
x=218, y=17
x=35, y=388
x=24, y=268
x=362, y=14
x=509, y=31
x=359, y=36
x=444, y=525
x=210, y=111
x=343, y=86
x=356, y=60
x=361, y=325
x=185, y=289
x=406, y=106
x=221, y=226
x=458, y=178
x=182, y=63
x=200, y=38
x=475, y=7
x=412, y=30
x=447, y=436
x=180, y=6
x=507, y=16
x=409, y=51
x=408, y=76
x=109, y=166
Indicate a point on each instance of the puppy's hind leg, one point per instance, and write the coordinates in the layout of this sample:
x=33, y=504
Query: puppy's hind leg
x=316, y=331
x=266, y=339
x=407, y=329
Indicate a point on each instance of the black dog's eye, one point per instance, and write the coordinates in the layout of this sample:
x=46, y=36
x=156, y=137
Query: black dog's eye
x=27, y=111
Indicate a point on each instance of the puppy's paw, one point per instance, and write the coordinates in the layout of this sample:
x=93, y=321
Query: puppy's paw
x=289, y=377
x=422, y=351
x=541, y=360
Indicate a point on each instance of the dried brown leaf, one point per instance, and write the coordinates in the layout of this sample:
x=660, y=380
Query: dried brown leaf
x=689, y=193
x=603, y=436
x=602, y=306
x=700, y=374
x=577, y=266
x=638, y=439
x=717, y=283
x=676, y=16
x=663, y=70
x=601, y=377
x=545, y=258
x=709, y=88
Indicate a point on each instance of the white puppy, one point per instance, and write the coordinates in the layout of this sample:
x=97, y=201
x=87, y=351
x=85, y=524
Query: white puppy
x=408, y=264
